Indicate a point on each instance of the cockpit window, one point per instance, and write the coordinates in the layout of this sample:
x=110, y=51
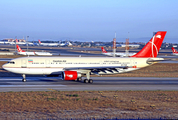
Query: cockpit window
x=11, y=62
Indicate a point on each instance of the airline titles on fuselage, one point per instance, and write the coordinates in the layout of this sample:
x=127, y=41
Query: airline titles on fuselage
x=65, y=62
x=59, y=60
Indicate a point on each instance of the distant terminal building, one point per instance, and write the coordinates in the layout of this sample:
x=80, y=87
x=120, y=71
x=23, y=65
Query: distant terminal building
x=174, y=46
x=8, y=40
x=130, y=45
x=12, y=40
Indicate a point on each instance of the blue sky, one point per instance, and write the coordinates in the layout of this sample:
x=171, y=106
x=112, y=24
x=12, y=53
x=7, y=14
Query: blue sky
x=88, y=20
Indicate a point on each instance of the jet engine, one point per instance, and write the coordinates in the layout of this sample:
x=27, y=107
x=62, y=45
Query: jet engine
x=70, y=75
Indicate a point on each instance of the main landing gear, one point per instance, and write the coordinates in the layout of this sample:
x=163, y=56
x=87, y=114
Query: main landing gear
x=88, y=80
x=85, y=80
x=79, y=79
x=24, y=78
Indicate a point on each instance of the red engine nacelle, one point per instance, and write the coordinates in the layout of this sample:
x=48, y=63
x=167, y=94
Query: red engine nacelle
x=70, y=75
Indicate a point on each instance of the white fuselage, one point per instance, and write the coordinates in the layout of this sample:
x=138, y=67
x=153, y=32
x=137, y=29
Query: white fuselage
x=49, y=44
x=1, y=42
x=35, y=53
x=43, y=53
x=25, y=53
x=55, y=65
x=176, y=54
x=119, y=54
x=17, y=43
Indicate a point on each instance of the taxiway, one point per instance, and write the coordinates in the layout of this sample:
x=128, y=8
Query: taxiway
x=100, y=83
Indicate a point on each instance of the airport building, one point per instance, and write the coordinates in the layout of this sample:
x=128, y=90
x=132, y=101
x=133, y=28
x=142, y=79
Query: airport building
x=12, y=40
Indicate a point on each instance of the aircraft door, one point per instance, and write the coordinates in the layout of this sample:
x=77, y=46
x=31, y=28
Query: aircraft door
x=23, y=63
x=47, y=63
x=101, y=63
x=132, y=63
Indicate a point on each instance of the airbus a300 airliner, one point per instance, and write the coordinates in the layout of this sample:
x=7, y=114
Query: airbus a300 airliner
x=74, y=68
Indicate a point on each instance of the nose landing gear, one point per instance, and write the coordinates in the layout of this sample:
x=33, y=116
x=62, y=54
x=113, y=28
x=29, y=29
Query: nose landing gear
x=24, y=78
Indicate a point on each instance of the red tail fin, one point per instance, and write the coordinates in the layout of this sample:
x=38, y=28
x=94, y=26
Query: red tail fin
x=19, y=49
x=103, y=50
x=174, y=50
x=151, y=49
x=39, y=41
x=16, y=40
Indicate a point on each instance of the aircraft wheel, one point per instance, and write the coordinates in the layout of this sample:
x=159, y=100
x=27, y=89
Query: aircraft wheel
x=90, y=81
x=85, y=81
x=24, y=80
x=79, y=79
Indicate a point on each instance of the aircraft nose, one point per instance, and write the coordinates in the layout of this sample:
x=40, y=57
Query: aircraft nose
x=4, y=66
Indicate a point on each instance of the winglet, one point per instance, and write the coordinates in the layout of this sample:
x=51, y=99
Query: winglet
x=103, y=50
x=152, y=48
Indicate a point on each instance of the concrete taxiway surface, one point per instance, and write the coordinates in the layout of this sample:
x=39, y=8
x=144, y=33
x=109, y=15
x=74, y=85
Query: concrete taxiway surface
x=100, y=83
x=57, y=50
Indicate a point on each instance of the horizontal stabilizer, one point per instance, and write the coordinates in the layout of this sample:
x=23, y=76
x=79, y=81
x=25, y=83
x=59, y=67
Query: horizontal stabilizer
x=152, y=60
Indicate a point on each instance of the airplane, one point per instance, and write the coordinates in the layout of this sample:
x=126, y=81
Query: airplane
x=174, y=51
x=2, y=42
x=17, y=43
x=48, y=44
x=30, y=43
x=60, y=44
x=74, y=68
x=64, y=44
x=7, y=43
x=20, y=43
x=22, y=52
x=24, y=43
x=104, y=52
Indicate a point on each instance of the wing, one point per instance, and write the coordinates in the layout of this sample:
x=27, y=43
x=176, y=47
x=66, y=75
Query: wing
x=100, y=67
x=96, y=70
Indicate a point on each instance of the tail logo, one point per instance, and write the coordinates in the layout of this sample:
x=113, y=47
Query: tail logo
x=39, y=41
x=158, y=36
x=18, y=49
x=152, y=48
x=103, y=50
x=153, y=44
